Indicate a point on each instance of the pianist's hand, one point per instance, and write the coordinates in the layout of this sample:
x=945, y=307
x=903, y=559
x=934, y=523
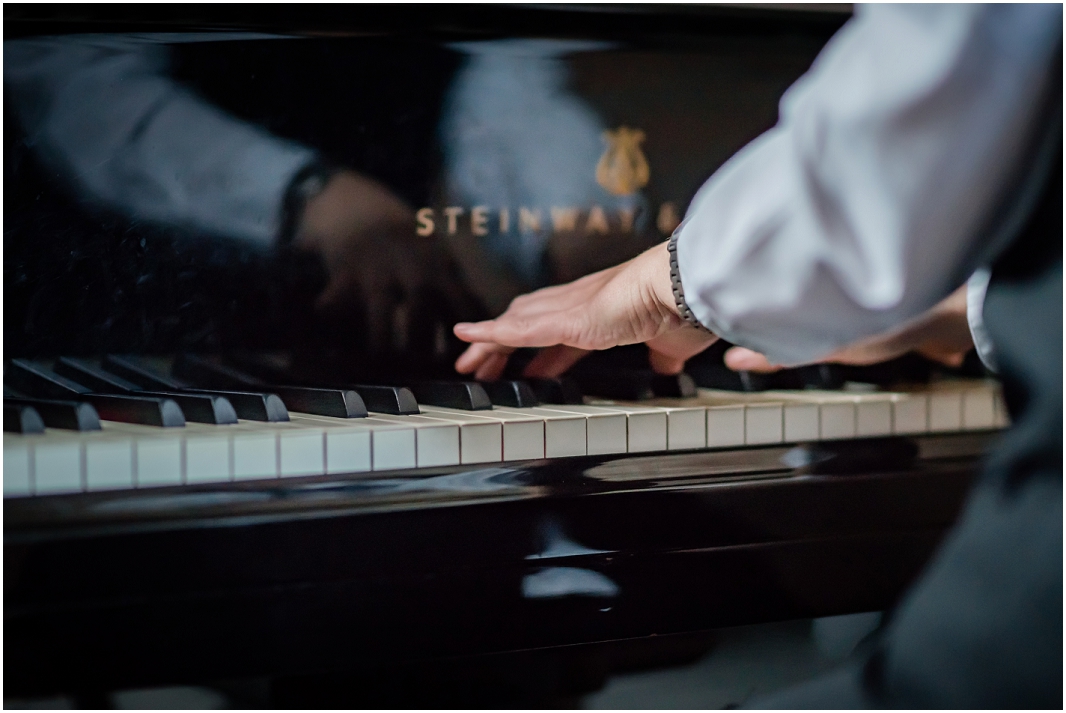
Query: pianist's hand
x=626, y=304
x=941, y=334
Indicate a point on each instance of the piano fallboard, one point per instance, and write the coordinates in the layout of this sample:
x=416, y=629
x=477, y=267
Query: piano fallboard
x=267, y=578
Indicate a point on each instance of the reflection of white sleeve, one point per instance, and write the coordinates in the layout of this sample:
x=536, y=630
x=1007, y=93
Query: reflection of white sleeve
x=102, y=111
x=853, y=213
x=515, y=136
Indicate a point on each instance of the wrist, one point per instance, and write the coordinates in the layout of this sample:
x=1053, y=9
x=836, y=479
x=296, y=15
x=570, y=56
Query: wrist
x=309, y=182
x=658, y=279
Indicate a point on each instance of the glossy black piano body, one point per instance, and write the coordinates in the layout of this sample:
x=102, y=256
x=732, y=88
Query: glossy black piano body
x=294, y=576
x=115, y=590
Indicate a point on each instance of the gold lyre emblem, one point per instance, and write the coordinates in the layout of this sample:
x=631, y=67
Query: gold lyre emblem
x=622, y=169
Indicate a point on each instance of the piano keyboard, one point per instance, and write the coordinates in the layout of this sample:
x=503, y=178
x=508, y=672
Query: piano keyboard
x=128, y=455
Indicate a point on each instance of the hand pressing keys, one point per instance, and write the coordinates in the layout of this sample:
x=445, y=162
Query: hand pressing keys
x=626, y=304
x=941, y=334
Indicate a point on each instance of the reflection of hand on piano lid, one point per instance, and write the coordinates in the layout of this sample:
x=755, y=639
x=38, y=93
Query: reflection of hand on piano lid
x=133, y=139
x=366, y=237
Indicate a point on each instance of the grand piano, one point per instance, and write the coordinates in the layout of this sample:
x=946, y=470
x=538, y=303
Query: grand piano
x=235, y=449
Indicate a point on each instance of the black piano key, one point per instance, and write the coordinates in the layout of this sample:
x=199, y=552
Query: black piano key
x=200, y=408
x=624, y=385
x=39, y=382
x=68, y=415
x=19, y=418
x=396, y=400
x=821, y=376
x=465, y=395
x=677, y=386
x=144, y=410
x=204, y=373
x=131, y=370
x=200, y=372
x=250, y=405
x=720, y=376
x=511, y=393
x=339, y=403
x=556, y=391
x=94, y=378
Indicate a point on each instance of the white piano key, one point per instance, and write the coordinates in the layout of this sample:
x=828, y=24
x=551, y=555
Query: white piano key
x=910, y=413
x=725, y=425
x=255, y=451
x=645, y=425
x=156, y=453
x=847, y=414
x=605, y=430
x=57, y=463
x=348, y=443
x=763, y=414
x=298, y=449
x=207, y=452
x=158, y=461
x=979, y=406
x=348, y=451
x=480, y=438
x=393, y=445
x=523, y=440
x=108, y=461
x=355, y=445
x=803, y=414
x=945, y=410
x=800, y=415
x=686, y=428
x=837, y=420
x=564, y=433
x=801, y=421
x=873, y=415
x=436, y=442
x=302, y=450
x=763, y=423
x=18, y=479
x=1002, y=415
x=523, y=432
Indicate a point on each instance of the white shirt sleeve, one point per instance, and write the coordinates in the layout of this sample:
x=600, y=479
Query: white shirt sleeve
x=976, y=288
x=103, y=112
x=854, y=213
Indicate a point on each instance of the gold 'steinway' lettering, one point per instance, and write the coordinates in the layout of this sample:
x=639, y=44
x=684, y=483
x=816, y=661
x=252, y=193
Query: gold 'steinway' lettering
x=425, y=222
x=452, y=213
x=564, y=219
x=528, y=220
x=597, y=221
x=479, y=220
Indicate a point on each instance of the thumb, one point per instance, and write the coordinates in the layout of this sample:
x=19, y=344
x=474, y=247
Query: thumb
x=743, y=359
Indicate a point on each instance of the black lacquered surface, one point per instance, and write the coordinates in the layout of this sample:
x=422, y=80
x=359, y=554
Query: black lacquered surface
x=390, y=566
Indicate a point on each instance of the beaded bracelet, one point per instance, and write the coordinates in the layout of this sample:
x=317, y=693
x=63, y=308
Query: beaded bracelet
x=675, y=282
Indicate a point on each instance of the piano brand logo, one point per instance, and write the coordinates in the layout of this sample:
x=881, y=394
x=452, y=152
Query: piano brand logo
x=622, y=171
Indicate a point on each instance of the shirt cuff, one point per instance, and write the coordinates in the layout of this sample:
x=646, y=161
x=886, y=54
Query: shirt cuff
x=976, y=287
